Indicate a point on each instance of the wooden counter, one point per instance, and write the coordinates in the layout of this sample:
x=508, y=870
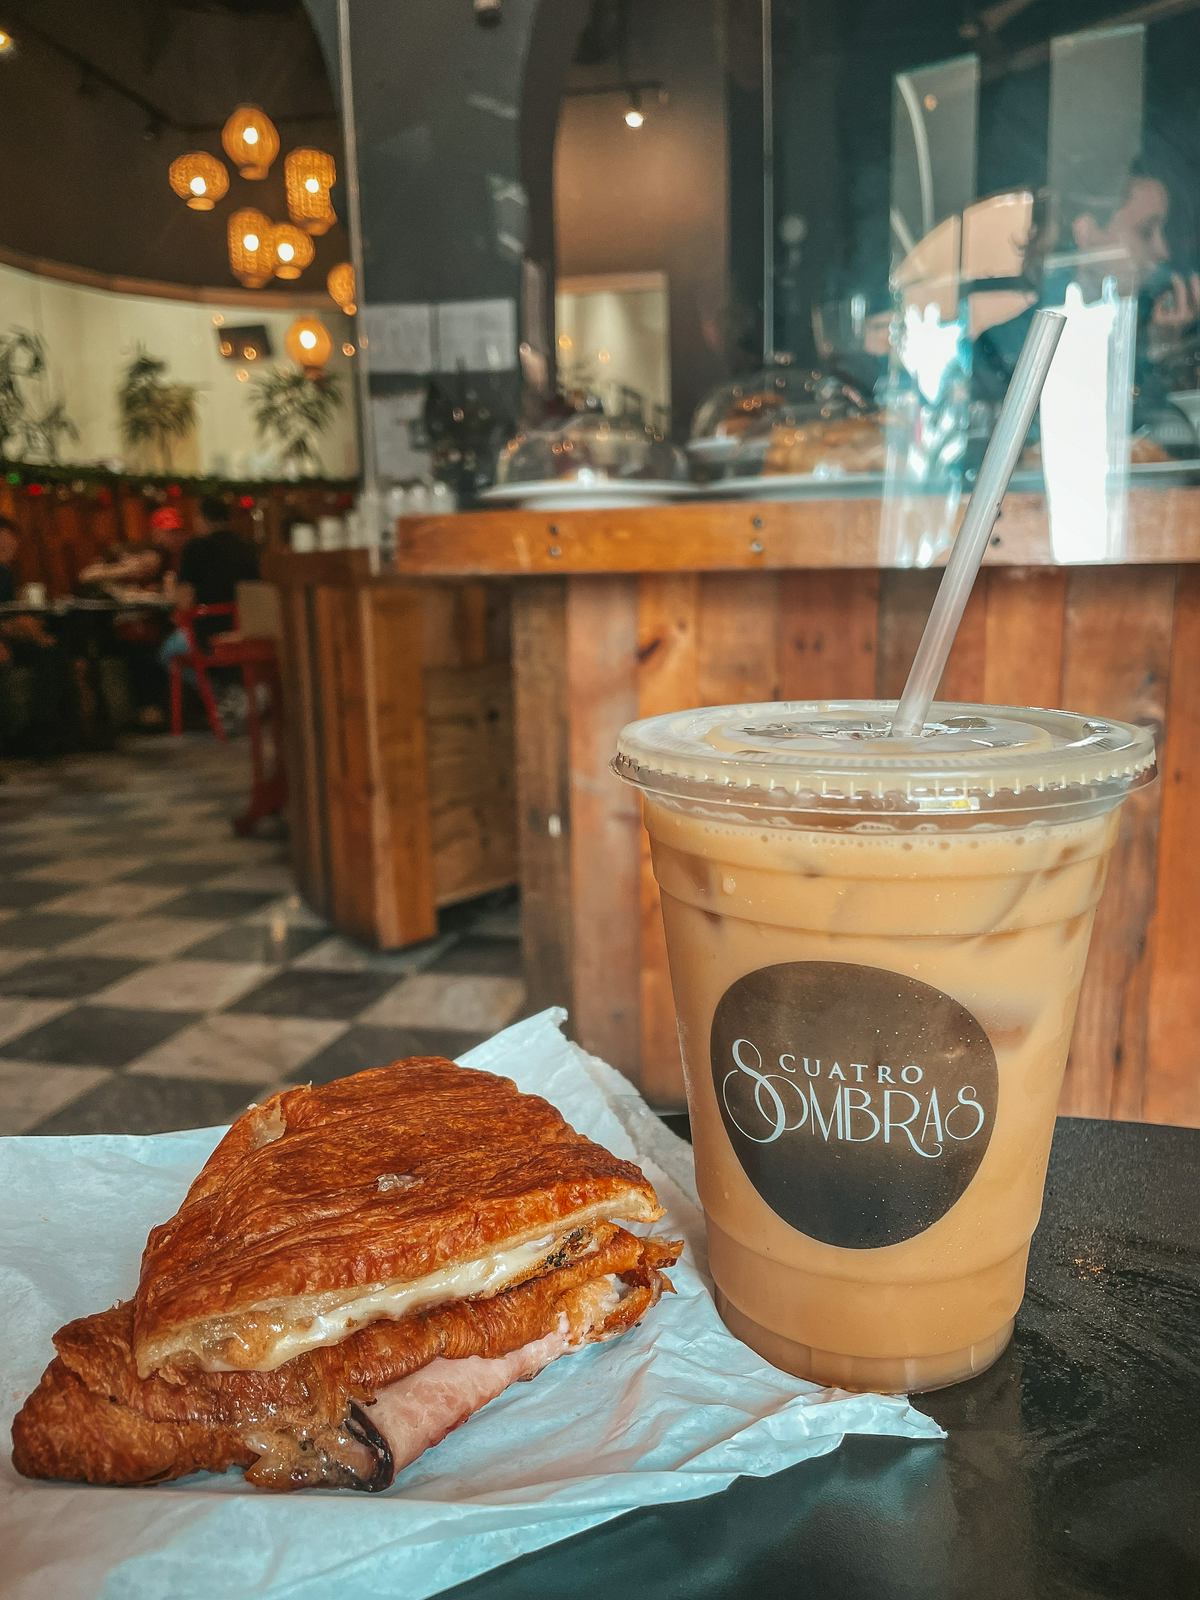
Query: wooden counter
x=624, y=614
x=398, y=727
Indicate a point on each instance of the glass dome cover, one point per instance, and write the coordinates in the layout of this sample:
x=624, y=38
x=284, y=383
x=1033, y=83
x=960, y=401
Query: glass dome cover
x=589, y=448
x=778, y=393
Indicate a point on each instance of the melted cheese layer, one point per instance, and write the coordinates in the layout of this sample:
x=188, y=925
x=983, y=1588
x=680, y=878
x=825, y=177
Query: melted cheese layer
x=330, y=1323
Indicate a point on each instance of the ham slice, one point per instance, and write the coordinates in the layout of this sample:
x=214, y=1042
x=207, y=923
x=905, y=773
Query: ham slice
x=423, y=1408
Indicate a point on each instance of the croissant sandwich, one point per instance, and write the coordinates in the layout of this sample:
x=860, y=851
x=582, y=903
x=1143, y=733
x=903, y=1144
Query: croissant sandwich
x=357, y=1269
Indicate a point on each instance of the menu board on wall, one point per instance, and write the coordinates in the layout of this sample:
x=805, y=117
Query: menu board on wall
x=399, y=337
x=477, y=335
x=472, y=335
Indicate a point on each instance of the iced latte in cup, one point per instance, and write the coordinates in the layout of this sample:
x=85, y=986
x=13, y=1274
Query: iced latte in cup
x=876, y=948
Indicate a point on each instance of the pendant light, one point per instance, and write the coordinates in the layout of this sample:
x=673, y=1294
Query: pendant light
x=340, y=283
x=199, y=179
x=309, y=344
x=309, y=175
x=251, y=141
x=291, y=250
x=249, y=239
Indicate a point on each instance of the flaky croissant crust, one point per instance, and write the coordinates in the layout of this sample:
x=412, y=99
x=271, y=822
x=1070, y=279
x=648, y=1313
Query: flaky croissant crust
x=377, y=1178
x=92, y=1419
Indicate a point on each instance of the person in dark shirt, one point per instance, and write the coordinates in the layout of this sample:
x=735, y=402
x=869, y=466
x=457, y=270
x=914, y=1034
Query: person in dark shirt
x=39, y=706
x=9, y=545
x=212, y=565
x=214, y=561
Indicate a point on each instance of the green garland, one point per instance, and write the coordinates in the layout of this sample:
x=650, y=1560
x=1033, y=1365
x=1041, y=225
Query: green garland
x=20, y=474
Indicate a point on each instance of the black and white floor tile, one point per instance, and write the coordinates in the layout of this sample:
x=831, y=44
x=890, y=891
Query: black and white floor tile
x=156, y=972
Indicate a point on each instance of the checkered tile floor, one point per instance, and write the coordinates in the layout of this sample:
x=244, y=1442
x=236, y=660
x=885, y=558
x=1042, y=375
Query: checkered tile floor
x=156, y=972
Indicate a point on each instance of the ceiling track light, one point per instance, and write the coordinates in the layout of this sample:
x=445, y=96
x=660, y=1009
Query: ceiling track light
x=634, y=115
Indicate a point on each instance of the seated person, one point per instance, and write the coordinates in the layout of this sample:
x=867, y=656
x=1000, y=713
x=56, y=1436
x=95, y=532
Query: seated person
x=39, y=700
x=214, y=561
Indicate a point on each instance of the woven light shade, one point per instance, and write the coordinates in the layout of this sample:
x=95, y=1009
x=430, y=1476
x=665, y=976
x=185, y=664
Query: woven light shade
x=198, y=178
x=291, y=250
x=251, y=141
x=341, y=286
x=249, y=239
x=309, y=175
x=308, y=342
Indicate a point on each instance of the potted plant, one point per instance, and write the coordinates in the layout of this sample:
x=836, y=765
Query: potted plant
x=24, y=433
x=292, y=408
x=155, y=413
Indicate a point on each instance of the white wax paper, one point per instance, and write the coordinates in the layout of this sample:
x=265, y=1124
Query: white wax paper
x=673, y=1410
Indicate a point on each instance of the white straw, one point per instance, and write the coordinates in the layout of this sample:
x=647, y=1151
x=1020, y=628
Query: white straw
x=1000, y=458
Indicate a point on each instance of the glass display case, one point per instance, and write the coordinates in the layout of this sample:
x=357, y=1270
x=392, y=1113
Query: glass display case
x=804, y=241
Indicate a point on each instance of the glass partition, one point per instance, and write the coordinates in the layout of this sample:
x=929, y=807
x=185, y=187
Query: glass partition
x=802, y=239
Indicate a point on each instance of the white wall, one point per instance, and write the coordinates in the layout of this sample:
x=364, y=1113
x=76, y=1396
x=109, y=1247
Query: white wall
x=92, y=334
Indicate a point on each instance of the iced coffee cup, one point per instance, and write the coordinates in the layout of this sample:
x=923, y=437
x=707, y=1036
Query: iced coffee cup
x=876, y=948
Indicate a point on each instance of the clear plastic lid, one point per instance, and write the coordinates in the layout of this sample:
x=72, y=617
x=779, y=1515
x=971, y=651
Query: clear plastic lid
x=835, y=755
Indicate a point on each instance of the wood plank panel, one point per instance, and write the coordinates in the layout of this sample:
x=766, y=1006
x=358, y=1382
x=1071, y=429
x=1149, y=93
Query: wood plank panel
x=605, y=819
x=965, y=671
x=1024, y=640
x=1116, y=660
x=904, y=602
x=472, y=798
x=828, y=630
x=396, y=802
x=737, y=638
x=726, y=536
x=541, y=719
x=348, y=786
x=303, y=732
x=1172, y=1091
x=668, y=611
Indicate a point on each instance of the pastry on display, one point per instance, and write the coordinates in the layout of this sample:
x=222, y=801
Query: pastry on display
x=842, y=445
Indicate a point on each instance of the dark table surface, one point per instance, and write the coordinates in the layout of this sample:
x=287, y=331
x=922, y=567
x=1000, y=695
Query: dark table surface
x=1071, y=1468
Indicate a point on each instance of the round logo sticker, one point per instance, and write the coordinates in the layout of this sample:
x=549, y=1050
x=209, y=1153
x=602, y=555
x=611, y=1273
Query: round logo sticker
x=858, y=1101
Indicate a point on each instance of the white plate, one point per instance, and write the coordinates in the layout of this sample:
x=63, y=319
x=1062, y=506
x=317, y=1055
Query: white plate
x=1188, y=401
x=1163, y=469
x=795, y=486
x=603, y=494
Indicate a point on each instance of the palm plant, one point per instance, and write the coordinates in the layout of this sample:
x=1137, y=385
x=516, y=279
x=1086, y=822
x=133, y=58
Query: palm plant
x=292, y=408
x=50, y=428
x=23, y=432
x=154, y=412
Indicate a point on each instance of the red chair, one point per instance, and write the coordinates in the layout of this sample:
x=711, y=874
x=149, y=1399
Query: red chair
x=258, y=661
x=198, y=661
